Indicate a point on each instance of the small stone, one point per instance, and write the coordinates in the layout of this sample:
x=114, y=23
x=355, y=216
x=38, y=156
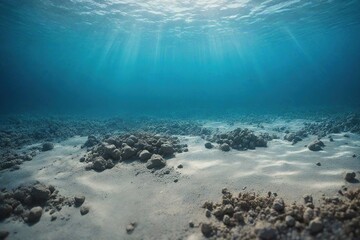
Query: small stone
x=229, y=209
x=156, y=161
x=317, y=145
x=265, y=231
x=191, y=224
x=350, y=176
x=308, y=199
x=354, y=156
x=5, y=210
x=206, y=229
x=316, y=226
x=308, y=215
x=226, y=220
x=208, y=145
x=99, y=164
x=79, y=200
x=176, y=180
x=84, y=210
x=40, y=193
x=238, y=216
x=35, y=214
x=225, y=147
x=130, y=228
x=207, y=213
x=278, y=205
x=53, y=218
x=145, y=155
x=180, y=166
x=290, y=221
x=47, y=146
x=318, y=164
x=167, y=150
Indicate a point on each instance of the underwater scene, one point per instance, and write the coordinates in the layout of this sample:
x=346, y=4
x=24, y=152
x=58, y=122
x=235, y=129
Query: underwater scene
x=169, y=119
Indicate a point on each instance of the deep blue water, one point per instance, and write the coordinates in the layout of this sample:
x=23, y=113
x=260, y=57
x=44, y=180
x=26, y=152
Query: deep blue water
x=146, y=56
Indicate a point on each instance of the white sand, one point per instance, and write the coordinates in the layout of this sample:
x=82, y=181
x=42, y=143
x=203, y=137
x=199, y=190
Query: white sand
x=163, y=208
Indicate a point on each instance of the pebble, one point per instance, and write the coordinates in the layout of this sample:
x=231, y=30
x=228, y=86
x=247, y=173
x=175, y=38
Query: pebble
x=318, y=164
x=316, y=226
x=191, y=224
x=207, y=213
x=130, y=228
x=206, y=229
x=180, y=166
x=84, y=210
x=35, y=214
x=79, y=200
x=350, y=176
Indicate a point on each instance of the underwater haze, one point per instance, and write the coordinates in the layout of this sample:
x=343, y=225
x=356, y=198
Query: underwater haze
x=109, y=56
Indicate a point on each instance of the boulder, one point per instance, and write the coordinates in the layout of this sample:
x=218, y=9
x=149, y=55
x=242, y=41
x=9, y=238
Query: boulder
x=350, y=176
x=127, y=152
x=79, y=200
x=225, y=147
x=278, y=204
x=208, y=145
x=316, y=226
x=35, y=214
x=5, y=210
x=316, y=145
x=167, y=149
x=40, y=193
x=156, y=161
x=47, y=146
x=99, y=164
x=145, y=155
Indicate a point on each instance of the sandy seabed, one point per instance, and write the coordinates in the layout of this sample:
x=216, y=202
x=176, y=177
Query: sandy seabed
x=162, y=206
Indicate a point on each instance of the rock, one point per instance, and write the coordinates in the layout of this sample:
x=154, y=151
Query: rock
x=191, y=224
x=238, y=216
x=265, y=231
x=145, y=155
x=225, y=147
x=90, y=142
x=308, y=215
x=47, y=146
x=278, y=204
x=308, y=199
x=130, y=228
x=316, y=226
x=3, y=234
x=84, y=210
x=99, y=164
x=79, y=200
x=226, y=220
x=229, y=209
x=316, y=145
x=354, y=155
x=207, y=213
x=290, y=221
x=19, y=209
x=127, y=152
x=350, y=176
x=35, y=214
x=156, y=161
x=167, y=149
x=53, y=218
x=207, y=229
x=39, y=193
x=180, y=166
x=318, y=164
x=5, y=210
x=208, y=145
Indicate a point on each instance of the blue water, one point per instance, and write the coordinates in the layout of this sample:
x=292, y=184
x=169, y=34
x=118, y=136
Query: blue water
x=166, y=55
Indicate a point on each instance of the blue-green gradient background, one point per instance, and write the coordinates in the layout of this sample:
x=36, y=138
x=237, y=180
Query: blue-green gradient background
x=55, y=60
